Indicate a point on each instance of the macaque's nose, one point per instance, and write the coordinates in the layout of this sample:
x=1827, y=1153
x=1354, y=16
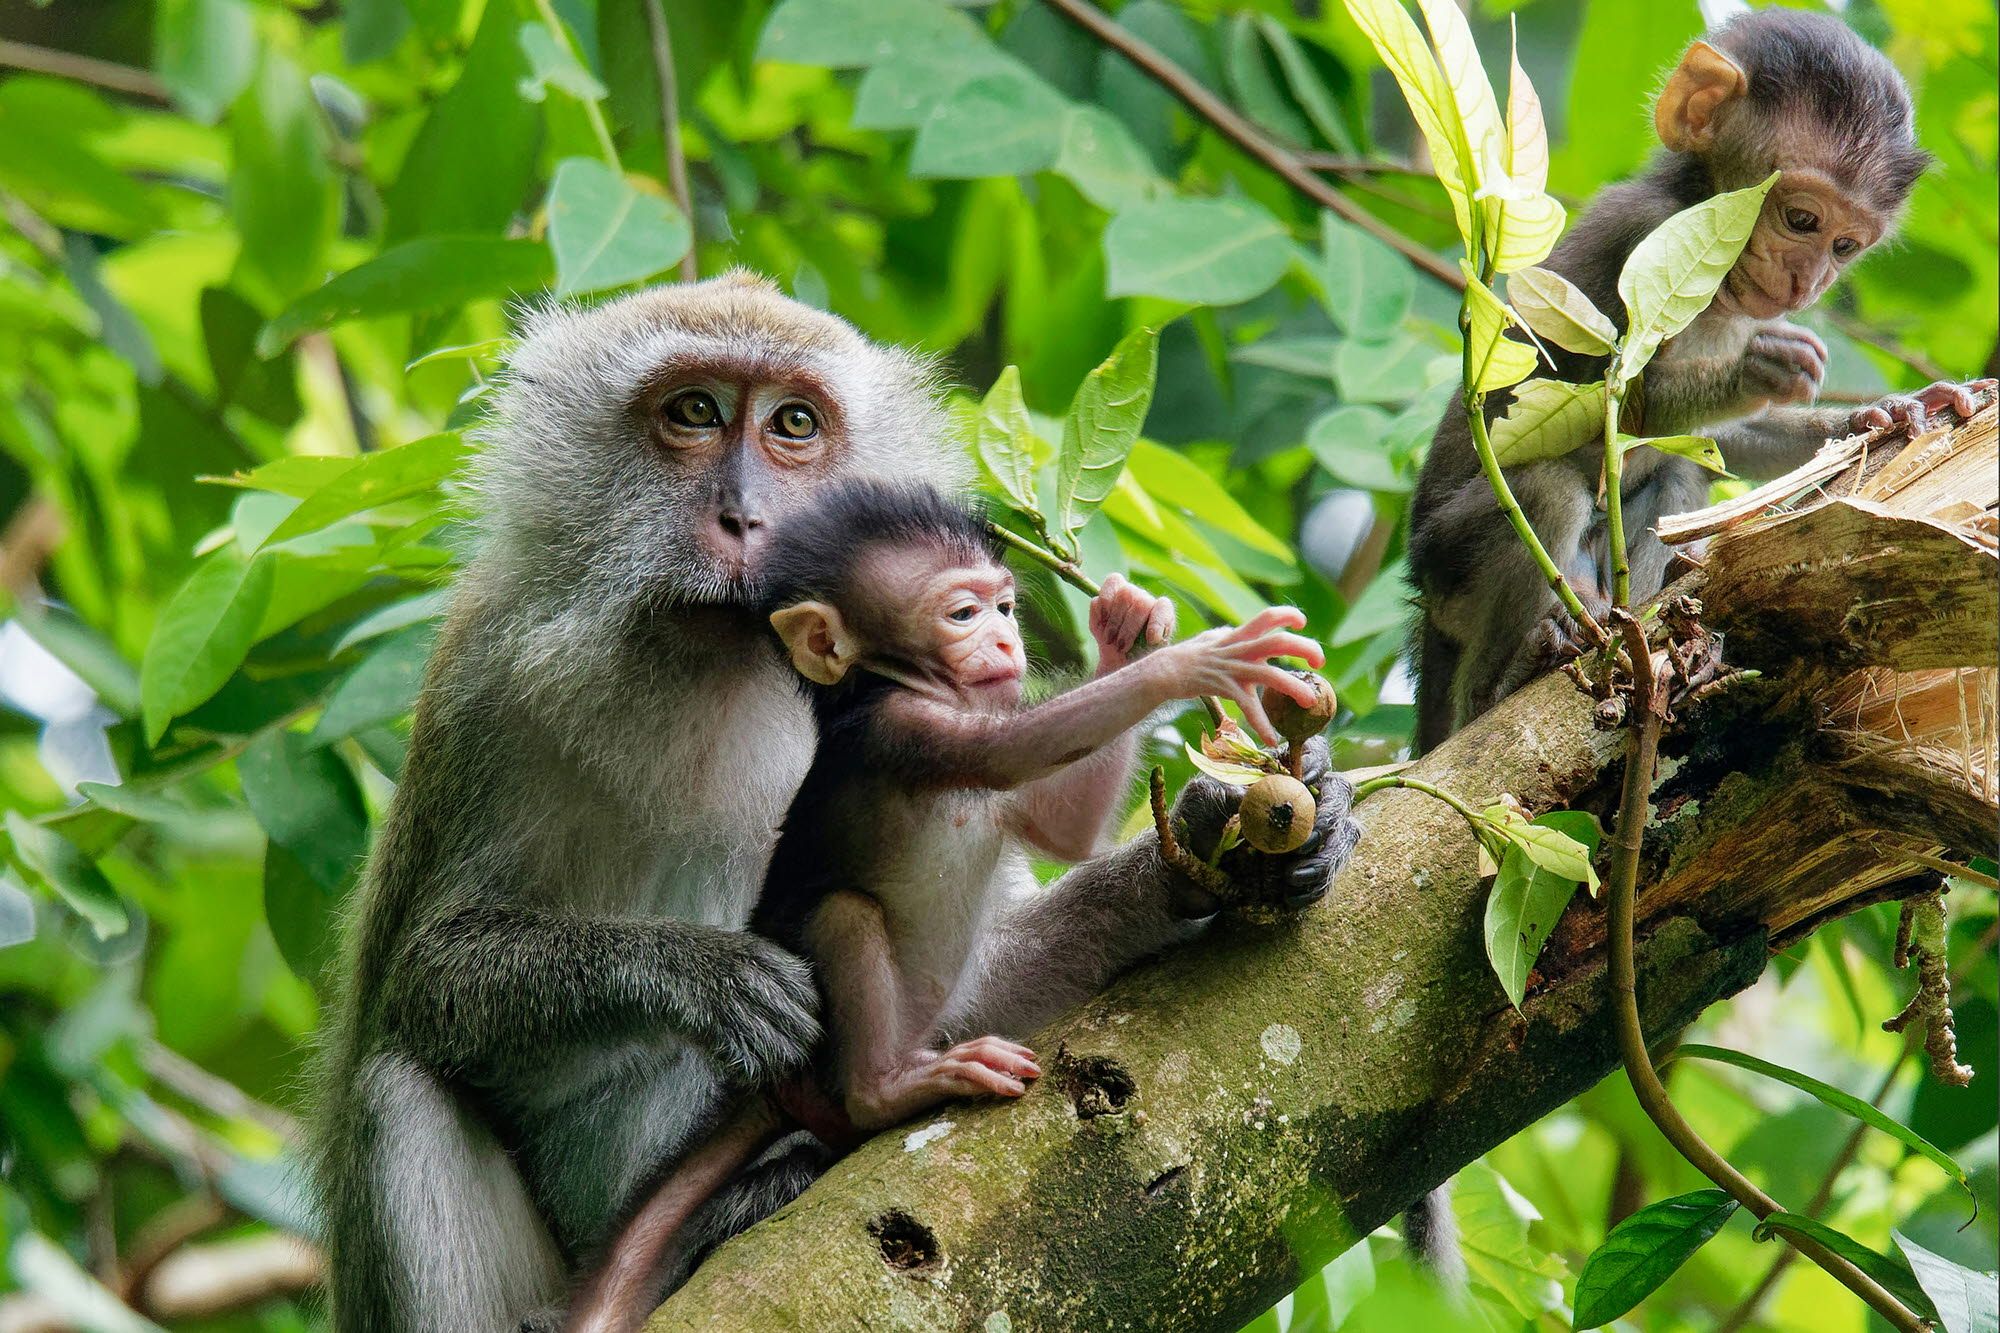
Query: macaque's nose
x=739, y=521
x=1801, y=284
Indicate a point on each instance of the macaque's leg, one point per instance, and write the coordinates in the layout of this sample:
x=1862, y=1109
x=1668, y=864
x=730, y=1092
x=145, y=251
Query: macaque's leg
x=1437, y=665
x=1675, y=487
x=883, y=1078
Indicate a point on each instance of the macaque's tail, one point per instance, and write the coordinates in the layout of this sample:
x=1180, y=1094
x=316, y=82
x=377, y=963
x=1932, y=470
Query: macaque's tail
x=618, y=1295
x=1430, y=1234
x=1437, y=668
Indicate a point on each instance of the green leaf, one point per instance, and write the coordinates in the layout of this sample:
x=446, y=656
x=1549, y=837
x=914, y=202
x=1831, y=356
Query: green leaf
x=302, y=914
x=1383, y=605
x=1203, y=251
x=1555, y=308
x=381, y=688
x=605, y=232
x=205, y=51
x=1390, y=372
x=308, y=802
x=1308, y=89
x=432, y=273
x=56, y=863
x=1394, y=35
x=17, y=913
x=486, y=349
x=1548, y=419
x=841, y=34
x=1500, y=1254
x=1966, y=1301
x=373, y=480
x=1493, y=360
x=1895, y=1277
x=555, y=65
x=94, y=658
x=1002, y=124
x=298, y=475
x=1176, y=480
x=1553, y=850
x=1005, y=441
x=1105, y=163
x=397, y=615
x=1349, y=443
x=1695, y=448
x=1366, y=286
x=1672, y=275
x=1104, y=421
x=1222, y=770
x=1844, y=1102
x=1645, y=1250
x=1527, y=900
x=201, y=637
x=1325, y=1300
x=283, y=194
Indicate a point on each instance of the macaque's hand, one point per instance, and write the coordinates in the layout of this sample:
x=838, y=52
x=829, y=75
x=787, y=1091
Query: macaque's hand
x=1916, y=409
x=1122, y=615
x=765, y=1010
x=1297, y=878
x=1783, y=364
x=1233, y=662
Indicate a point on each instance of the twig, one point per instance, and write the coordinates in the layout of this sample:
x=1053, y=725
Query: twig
x=670, y=128
x=1339, y=164
x=1248, y=137
x=1634, y=810
x=215, y=1095
x=84, y=69
x=165, y=1232
x=1171, y=850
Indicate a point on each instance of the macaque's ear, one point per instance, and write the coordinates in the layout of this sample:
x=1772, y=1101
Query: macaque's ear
x=818, y=640
x=1701, y=85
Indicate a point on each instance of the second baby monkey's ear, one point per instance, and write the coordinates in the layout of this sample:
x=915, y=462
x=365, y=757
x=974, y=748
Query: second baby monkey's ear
x=819, y=641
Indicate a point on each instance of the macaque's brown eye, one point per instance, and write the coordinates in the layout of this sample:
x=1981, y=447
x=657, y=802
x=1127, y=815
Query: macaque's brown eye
x=1846, y=247
x=795, y=421
x=1801, y=221
x=695, y=409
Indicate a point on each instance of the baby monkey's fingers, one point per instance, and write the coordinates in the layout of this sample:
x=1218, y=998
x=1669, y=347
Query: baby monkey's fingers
x=1281, y=644
x=1270, y=618
x=1160, y=622
x=1253, y=712
x=970, y=1078
x=999, y=1054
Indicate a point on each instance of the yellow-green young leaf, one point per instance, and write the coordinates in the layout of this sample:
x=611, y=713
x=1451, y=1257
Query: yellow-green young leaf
x=1523, y=222
x=201, y=637
x=1236, y=775
x=375, y=479
x=1553, y=307
x=1672, y=275
x=1492, y=360
x=1005, y=440
x=1527, y=136
x=1695, y=448
x=1104, y=420
x=1392, y=32
x=1549, y=418
x=1464, y=82
x=1526, y=902
x=1524, y=230
x=1556, y=852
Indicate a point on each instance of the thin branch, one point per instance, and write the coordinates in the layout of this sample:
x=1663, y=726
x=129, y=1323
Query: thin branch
x=84, y=69
x=1635, y=807
x=670, y=128
x=1248, y=137
x=218, y=1096
x=1339, y=164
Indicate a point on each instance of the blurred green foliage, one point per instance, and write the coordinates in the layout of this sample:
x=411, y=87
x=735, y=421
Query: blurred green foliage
x=255, y=261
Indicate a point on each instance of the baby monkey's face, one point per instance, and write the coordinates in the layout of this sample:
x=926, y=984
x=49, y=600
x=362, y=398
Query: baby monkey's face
x=970, y=612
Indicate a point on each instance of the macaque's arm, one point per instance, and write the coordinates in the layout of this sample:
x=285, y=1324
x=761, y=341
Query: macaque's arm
x=933, y=743
x=1066, y=813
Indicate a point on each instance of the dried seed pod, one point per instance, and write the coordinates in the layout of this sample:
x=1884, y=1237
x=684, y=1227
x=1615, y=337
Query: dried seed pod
x=1295, y=723
x=1277, y=813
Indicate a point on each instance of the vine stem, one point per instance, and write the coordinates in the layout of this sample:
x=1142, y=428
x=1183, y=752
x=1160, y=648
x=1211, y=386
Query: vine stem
x=1363, y=791
x=1232, y=126
x=1614, y=494
x=1635, y=807
x=1071, y=573
x=591, y=110
x=670, y=127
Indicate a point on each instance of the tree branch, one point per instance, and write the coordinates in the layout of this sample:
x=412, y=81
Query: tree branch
x=670, y=129
x=84, y=69
x=1248, y=137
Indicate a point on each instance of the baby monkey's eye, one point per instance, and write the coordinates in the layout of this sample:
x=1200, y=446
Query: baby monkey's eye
x=1846, y=247
x=1799, y=220
x=964, y=614
x=696, y=409
x=1006, y=609
x=795, y=421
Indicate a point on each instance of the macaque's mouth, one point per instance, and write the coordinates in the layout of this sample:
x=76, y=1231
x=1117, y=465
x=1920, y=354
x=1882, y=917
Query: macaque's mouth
x=1750, y=297
x=1011, y=676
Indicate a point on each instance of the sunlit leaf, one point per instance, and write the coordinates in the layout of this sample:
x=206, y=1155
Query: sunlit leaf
x=1004, y=438
x=1527, y=900
x=1845, y=1102
x=1395, y=37
x=373, y=480
x=202, y=635
x=1464, y=82
x=1527, y=135
x=431, y=273
x=1672, y=274
x=1966, y=1301
x=1554, y=308
x=1171, y=478
x=1548, y=419
x=1493, y=361
x=606, y=232
x=1103, y=423
x=1645, y=1250
x=1695, y=448
x=1895, y=1277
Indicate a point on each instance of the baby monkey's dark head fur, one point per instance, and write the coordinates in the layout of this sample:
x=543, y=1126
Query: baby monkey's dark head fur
x=900, y=580
x=1802, y=95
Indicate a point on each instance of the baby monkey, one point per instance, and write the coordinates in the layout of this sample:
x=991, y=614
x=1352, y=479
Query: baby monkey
x=905, y=851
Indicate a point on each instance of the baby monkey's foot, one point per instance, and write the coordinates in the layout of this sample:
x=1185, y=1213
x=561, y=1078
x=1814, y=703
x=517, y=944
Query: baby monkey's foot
x=983, y=1067
x=1916, y=410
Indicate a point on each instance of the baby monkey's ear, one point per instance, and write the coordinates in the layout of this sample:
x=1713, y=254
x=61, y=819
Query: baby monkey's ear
x=818, y=639
x=1701, y=85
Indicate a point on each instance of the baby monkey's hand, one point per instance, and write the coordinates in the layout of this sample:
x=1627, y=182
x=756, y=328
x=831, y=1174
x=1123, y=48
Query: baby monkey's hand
x=1232, y=663
x=1123, y=615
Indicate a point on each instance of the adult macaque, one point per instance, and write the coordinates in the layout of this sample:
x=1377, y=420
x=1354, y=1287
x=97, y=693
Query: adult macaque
x=547, y=997
x=902, y=870
x=1779, y=90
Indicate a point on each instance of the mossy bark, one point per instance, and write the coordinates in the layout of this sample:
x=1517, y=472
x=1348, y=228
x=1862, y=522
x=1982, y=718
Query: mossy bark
x=1225, y=1120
